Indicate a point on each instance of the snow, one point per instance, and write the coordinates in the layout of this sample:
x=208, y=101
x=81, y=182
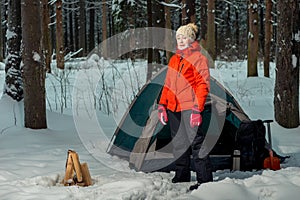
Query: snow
x=250, y=35
x=254, y=6
x=297, y=36
x=10, y=34
x=36, y=56
x=170, y=4
x=131, y=2
x=294, y=61
x=33, y=161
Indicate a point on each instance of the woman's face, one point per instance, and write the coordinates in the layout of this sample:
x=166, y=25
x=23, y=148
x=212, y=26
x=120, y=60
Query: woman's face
x=182, y=41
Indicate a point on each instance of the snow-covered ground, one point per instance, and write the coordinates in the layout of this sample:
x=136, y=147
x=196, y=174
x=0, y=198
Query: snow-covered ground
x=33, y=161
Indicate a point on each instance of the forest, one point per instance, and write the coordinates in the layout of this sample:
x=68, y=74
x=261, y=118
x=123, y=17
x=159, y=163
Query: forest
x=59, y=31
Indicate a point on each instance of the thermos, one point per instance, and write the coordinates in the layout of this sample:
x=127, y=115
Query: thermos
x=236, y=160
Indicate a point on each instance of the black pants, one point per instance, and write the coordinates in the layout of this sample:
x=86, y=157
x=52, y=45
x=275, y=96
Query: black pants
x=186, y=141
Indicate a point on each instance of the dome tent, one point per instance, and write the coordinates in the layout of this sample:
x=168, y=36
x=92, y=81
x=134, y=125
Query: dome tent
x=142, y=140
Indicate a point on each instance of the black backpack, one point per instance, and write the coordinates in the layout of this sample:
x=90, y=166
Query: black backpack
x=250, y=140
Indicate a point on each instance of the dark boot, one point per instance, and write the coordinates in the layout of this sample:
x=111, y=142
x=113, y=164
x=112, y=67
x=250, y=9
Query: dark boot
x=182, y=173
x=181, y=179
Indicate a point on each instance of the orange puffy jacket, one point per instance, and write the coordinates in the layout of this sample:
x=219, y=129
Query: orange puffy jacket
x=187, y=80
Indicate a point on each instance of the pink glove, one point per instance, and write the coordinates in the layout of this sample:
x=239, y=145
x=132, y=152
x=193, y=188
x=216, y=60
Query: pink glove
x=162, y=114
x=196, y=118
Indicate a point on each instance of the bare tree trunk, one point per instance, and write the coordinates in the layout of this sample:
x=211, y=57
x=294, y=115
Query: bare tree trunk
x=268, y=36
x=211, y=41
x=150, y=50
x=47, y=49
x=188, y=12
x=168, y=25
x=237, y=31
x=228, y=25
x=33, y=71
x=158, y=20
x=59, y=36
x=71, y=28
x=286, y=97
x=76, y=30
x=131, y=13
x=261, y=29
x=82, y=27
x=192, y=10
x=5, y=18
x=53, y=26
x=184, y=17
x=1, y=35
x=13, y=77
x=104, y=28
x=92, y=29
x=65, y=26
x=111, y=23
x=252, y=38
x=203, y=22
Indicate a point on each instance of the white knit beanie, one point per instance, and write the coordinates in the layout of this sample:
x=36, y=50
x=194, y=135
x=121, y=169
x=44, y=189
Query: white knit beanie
x=190, y=30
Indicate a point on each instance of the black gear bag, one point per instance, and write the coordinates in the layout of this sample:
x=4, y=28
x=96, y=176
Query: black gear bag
x=250, y=140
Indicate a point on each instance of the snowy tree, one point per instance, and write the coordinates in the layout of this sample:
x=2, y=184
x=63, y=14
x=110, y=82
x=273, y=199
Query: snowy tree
x=13, y=78
x=33, y=70
x=286, y=97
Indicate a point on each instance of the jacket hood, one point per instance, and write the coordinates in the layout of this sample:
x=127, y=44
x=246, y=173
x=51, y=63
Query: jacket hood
x=189, y=50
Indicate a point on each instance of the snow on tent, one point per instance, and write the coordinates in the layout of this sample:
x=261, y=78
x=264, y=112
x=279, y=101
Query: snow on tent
x=142, y=140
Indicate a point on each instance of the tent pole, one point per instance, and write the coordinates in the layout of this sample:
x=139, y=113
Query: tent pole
x=109, y=145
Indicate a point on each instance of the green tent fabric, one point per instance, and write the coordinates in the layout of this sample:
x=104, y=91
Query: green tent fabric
x=146, y=143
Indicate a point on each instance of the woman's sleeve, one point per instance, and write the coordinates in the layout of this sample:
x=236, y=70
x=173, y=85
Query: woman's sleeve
x=164, y=94
x=202, y=76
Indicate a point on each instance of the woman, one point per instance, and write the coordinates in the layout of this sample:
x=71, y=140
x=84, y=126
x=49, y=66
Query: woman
x=182, y=100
